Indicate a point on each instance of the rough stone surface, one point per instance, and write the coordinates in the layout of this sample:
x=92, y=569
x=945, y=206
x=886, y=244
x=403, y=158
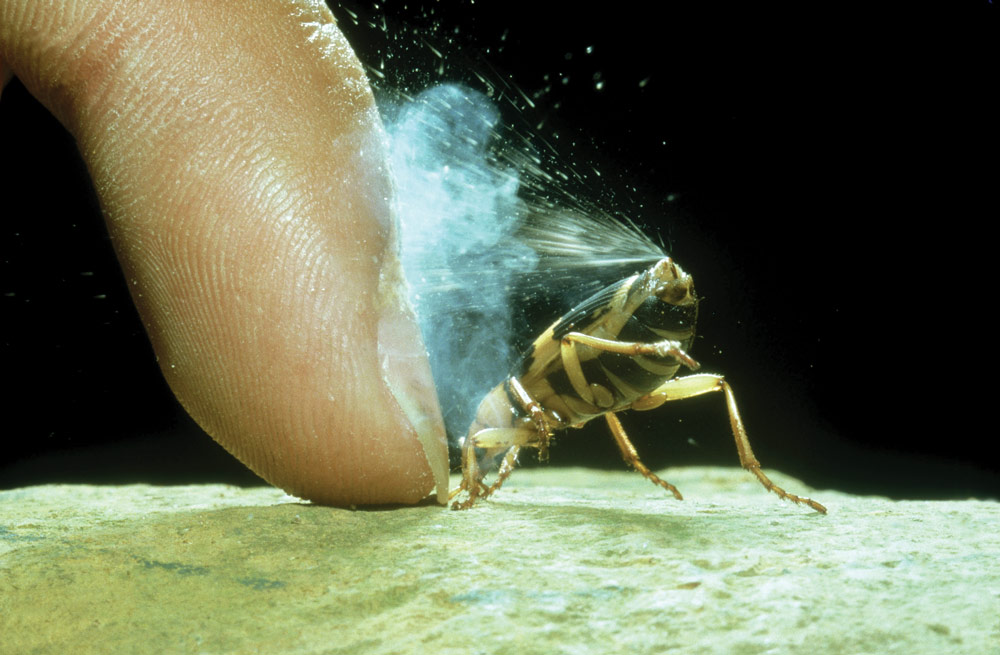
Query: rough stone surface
x=561, y=561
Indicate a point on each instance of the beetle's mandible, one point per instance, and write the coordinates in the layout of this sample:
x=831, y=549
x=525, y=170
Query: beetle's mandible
x=619, y=349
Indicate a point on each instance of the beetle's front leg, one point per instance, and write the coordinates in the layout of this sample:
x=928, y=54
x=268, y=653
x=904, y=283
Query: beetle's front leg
x=595, y=394
x=696, y=385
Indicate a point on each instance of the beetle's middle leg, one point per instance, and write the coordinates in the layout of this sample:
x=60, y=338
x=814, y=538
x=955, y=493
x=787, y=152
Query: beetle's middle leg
x=603, y=399
x=632, y=457
x=534, y=410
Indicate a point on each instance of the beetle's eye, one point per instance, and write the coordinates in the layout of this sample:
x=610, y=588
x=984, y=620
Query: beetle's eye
x=677, y=292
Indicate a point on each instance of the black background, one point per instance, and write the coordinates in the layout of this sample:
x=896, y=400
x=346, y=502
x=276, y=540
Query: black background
x=821, y=174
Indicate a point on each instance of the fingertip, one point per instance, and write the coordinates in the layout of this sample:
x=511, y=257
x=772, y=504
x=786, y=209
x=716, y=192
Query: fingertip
x=252, y=221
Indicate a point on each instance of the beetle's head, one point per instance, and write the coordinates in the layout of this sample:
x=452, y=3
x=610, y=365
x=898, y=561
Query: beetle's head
x=669, y=309
x=671, y=284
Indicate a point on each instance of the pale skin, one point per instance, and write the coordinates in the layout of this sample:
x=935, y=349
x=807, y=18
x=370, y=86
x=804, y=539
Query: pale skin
x=238, y=158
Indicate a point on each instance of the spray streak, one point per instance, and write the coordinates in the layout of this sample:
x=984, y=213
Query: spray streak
x=486, y=228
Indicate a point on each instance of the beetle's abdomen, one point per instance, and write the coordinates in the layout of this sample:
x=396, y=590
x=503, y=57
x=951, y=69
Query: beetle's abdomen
x=499, y=409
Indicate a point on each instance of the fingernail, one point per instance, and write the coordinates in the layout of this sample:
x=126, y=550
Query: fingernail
x=407, y=372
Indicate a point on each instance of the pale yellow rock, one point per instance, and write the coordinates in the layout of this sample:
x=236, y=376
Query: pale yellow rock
x=560, y=561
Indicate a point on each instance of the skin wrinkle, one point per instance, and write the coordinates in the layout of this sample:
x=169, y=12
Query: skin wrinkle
x=245, y=230
x=136, y=42
x=309, y=427
x=94, y=77
x=303, y=243
x=179, y=265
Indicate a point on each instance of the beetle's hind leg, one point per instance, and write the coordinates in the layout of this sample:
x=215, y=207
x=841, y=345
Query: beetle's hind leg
x=695, y=385
x=472, y=480
x=529, y=427
x=632, y=457
x=472, y=477
x=495, y=440
x=506, y=468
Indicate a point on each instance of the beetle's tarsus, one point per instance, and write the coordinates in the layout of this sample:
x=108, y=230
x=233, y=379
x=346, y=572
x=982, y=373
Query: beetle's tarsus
x=770, y=486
